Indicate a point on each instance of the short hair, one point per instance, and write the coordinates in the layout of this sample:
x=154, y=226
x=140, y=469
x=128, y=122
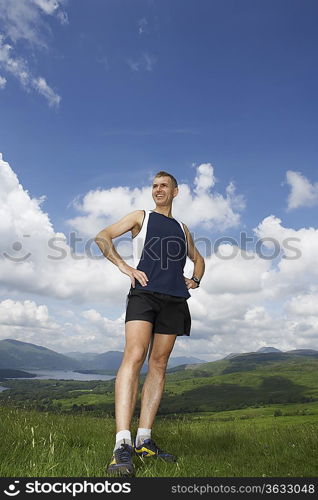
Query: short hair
x=162, y=173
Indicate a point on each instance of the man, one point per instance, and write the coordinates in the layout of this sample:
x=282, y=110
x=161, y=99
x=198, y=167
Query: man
x=157, y=312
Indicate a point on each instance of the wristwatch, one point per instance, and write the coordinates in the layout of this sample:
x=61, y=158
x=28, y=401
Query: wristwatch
x=196, y=280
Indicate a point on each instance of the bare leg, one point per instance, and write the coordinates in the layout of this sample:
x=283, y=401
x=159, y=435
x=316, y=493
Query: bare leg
x=138, y=336
x=161, y=348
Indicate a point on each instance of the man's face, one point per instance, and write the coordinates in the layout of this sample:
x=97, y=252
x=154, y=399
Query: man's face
x=163, y=191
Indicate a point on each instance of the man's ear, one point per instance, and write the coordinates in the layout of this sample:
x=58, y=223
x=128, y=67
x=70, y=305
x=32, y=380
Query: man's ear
x=175, y=191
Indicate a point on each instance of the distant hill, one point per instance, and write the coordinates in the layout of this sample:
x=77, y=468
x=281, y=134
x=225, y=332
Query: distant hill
x=261, y=350
x=81, y=356
x=23, y=355
x=15, y=354
x=111, y=360
x=18, y=355
x=250, y=379
x=268, y=349
x=246, y=361
x=304, y=352
x=258, y=378
x=182, y=360
x=6, y=373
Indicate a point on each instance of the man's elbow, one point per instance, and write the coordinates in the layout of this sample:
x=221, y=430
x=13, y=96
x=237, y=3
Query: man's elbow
x=102, y=239
x=101, y=235
x=97, y=237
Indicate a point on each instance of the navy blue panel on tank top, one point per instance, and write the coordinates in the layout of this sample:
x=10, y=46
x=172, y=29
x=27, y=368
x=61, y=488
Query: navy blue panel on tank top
x=164, y=256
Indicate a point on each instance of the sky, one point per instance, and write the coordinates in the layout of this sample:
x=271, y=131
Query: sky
x=95, y=98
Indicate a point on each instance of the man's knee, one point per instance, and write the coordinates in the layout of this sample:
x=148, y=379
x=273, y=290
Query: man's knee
x=158, y=361
x=135, y=356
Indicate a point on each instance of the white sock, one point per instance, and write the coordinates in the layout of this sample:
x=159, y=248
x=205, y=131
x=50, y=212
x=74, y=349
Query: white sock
x=142, y=435
x=123, y=437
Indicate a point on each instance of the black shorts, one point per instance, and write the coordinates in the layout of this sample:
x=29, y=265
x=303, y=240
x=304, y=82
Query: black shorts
x=167, y=313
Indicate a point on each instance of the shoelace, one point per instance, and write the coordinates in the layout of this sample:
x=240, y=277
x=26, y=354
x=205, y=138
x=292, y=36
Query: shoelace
x=152, y=445
x=123, y=454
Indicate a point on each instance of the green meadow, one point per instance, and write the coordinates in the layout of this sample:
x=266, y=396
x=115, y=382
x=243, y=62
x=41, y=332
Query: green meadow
x=257, y=417
x=242, y=443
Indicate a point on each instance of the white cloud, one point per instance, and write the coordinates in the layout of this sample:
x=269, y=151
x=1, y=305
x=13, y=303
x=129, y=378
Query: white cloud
x=30, y=265
x=145, y=62
x=142, y=26
x=244, y=303
x=303, y=305
x=25, y=314
x=44, y=89
x=303, y=193
x=3, y=82
x=204, y=179
x=48, y=6
x=298, y=270
x=19, y=68
x=203, y=207
x=23, y=20
x=243, y=273
x=90, y=331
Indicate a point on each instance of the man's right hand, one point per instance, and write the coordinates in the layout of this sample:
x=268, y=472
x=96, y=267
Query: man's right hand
x=133, y=274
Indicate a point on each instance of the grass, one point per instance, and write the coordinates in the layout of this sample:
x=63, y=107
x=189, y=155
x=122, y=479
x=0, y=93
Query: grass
x=37, y=444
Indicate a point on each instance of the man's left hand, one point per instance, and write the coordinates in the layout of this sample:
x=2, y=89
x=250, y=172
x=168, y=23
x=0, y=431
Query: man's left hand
x=190, y=283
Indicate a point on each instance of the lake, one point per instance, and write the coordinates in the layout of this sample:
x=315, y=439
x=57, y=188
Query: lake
x=62, y=374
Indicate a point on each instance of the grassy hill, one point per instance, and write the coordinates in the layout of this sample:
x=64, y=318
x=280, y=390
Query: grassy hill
x=257, y=417
x=44, y=444
x=23, y=355
x=228, y=384
x=6, y=373
x=211, y=387
x=15, y=354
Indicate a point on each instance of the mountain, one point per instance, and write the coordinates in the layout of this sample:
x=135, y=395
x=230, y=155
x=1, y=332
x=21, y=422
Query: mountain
x=252, y=379
x=304, y=352
x=15, y=354
x=245, y=361
x=111, y=360
x=7, y=373
x=23, y=355
x=261, y=350
x=81, y=356
x=232, y=355
x=268, y=349
x=183, y=360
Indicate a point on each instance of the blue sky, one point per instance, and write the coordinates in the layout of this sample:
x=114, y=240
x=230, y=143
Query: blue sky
x=140, y=86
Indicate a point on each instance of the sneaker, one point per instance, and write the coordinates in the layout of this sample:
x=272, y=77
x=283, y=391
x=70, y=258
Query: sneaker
x=121, y=463
x=149, y=449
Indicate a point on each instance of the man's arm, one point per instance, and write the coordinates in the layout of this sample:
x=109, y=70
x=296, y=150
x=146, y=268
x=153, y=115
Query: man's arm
x=104, y=241
x=197, y=259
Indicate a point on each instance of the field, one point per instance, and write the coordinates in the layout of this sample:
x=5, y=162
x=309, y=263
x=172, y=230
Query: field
x=230, y=418
x=239, y=443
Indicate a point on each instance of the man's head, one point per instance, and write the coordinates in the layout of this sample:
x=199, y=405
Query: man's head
x=164, y=188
